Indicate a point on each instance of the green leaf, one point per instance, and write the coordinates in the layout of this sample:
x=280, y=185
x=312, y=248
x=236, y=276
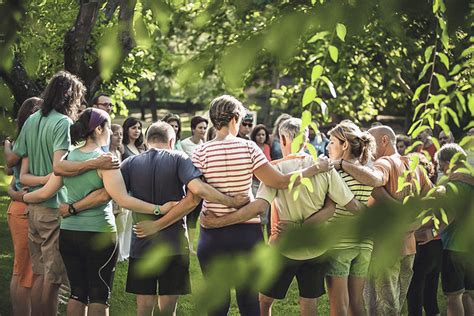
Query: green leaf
x=414, y=160
x=470, y=103
x=414, y=125
x=425, y=220
x=461, y=99
x=418, y=90
x=435, y=6
x=425, y=69
x=318, y=36
x=417, y=109
x=306, y=118
x=330, y=86
x=453, y=115
x=444, y=59
x=428, y=52
x=467, y=51
x=333, y=53
x=308, y=184
x=312, y=150
x=418, y=130
x=316, y=73
x=435, y=143
x=413, y=146
x=441, y=81
x=323, y=105
x=341, y=31
x=445, y=38
x=444, y=126
x=296, y=193
x=456, y=69
x=293, y=178
x=296, y=143
x=308, y=96
x=466, y=139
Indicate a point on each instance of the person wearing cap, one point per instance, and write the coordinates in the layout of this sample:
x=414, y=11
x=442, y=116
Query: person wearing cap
x=246, y=127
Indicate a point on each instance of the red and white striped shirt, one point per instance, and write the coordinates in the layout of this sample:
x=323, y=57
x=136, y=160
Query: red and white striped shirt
x=228, y=166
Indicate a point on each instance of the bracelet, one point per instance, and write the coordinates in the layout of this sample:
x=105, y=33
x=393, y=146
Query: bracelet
x=72, y=210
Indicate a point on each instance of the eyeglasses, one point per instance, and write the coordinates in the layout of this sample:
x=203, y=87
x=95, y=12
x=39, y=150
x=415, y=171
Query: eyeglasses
x=109, y=105
x=247, y=125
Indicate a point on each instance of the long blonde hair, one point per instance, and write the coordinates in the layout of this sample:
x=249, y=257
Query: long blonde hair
x=362, y=144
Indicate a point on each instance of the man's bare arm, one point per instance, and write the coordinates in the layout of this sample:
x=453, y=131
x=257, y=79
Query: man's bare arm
x=177, y=212
x=210, y=194
x=325, y=213
x=11, y=159
x=363, y=174
x=251, y=210
x=355, y=206
x=67, y=168
x=93, y=199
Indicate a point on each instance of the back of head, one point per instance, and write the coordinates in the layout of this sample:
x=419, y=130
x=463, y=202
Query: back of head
x=85, y=125
x=223, y=109
x=448, y=151
x=160, y=133
x=276, y=129
x=362, y=144
x=64, y=93
x=28, y=107
x=290, y=128
x=383, y=130
x=115, y=127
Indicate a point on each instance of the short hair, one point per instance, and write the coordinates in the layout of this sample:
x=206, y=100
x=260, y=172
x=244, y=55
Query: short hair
x=129, y=122
x=96, y=98
x=196, y=120
x=447, y=152
x=223, y=109
x=258, y=128
x=160, y=132
x=384, y=130
x=290, y=128
x=276, y=129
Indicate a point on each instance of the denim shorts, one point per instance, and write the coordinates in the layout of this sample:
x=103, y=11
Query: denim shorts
x=345, y=262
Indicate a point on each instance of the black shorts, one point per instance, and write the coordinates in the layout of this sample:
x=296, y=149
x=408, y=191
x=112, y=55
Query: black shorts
x=457, y=272
x=90, y=259
x=309, y=274
x=172, y=279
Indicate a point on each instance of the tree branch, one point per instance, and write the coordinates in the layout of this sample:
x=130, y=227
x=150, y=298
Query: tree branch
x=76, y=39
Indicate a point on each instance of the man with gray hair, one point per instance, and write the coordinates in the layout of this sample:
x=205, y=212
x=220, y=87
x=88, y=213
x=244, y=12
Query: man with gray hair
x=386, y=294
x=160, y=174
x=304, y=264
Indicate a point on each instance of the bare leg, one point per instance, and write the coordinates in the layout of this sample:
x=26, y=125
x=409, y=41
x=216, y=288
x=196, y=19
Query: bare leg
x=49, y=298
x=338, y=295
x=308, y=306
x=468, y=304
x=265, y=305
x=36, y=294
x=96, y=309
x=356, y=297
x=455, y=307
x=75, y=308
x=167, y=304
x=145, y=304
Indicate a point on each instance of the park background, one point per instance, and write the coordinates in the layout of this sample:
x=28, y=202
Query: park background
x=405, y=63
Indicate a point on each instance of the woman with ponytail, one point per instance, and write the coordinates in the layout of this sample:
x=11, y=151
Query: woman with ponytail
x=350, y=257
x=88, y=239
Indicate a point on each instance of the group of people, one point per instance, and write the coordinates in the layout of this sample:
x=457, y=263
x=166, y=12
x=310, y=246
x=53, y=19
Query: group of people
x=80, y=181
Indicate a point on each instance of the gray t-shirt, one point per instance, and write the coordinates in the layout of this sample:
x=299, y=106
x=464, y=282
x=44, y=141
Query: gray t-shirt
x=158, y=176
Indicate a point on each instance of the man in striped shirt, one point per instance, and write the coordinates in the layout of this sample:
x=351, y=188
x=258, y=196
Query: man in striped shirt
x=302, y=263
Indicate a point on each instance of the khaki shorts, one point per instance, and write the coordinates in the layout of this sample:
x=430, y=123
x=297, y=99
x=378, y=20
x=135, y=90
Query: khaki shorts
x=43, y=238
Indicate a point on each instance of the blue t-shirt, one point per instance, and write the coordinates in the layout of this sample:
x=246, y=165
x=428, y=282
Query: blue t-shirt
x=158, y=176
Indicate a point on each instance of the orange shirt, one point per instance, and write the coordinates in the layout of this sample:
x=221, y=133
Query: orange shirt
x=392, y=167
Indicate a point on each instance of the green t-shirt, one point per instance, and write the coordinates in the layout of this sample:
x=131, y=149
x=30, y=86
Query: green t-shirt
x=97, y=219
x=39, y=139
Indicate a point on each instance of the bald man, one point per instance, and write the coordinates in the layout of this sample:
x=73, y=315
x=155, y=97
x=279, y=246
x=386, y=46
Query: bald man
x=386, y=294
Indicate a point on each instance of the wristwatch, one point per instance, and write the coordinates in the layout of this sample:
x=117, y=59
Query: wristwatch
x=72, y=210
x=157, y=210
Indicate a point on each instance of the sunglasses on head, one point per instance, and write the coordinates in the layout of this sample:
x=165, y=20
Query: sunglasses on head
x=247, y=124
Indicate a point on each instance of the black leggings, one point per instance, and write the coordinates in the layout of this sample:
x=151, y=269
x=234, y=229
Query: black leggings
x=423, y=290
x=228, y=242
x=90, y=259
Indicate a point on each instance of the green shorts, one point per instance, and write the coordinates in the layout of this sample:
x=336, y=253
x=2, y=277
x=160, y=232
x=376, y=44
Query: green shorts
x=345, y=262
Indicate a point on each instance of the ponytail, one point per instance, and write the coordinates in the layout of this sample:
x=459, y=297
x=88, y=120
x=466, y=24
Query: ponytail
x=367, y=146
